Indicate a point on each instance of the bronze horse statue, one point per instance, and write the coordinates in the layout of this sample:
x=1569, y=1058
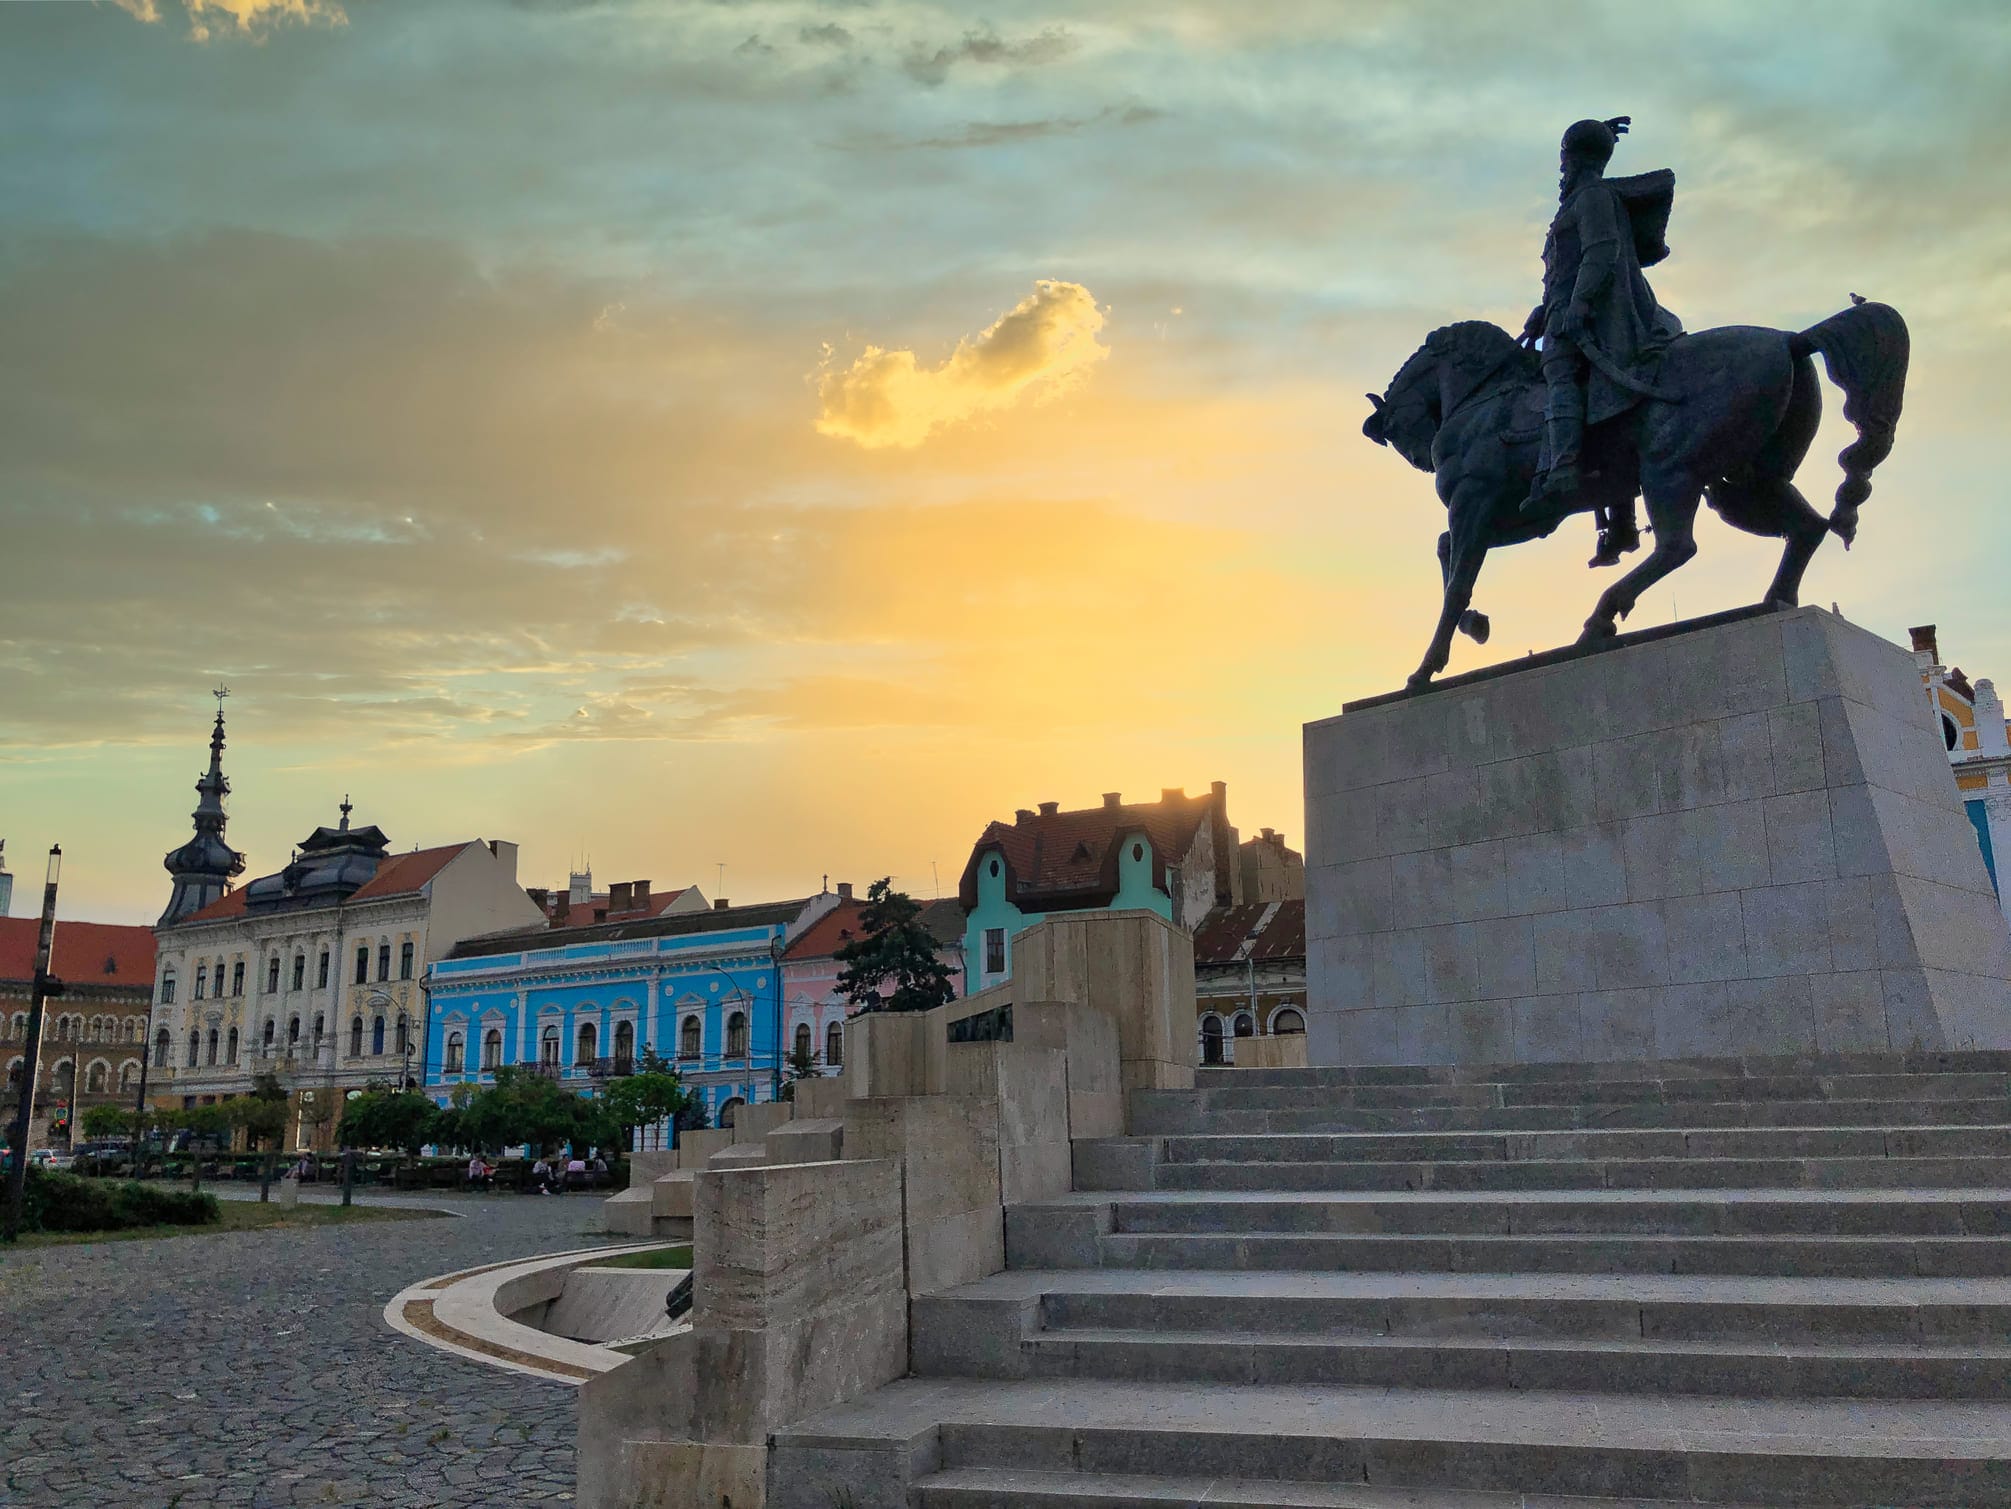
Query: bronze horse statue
x=1733, y=413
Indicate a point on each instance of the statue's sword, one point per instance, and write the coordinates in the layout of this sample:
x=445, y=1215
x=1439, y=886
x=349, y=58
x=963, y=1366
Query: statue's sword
x=1621, y=375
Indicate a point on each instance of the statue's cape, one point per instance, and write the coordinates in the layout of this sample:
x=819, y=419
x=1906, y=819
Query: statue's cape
x=1648, y=197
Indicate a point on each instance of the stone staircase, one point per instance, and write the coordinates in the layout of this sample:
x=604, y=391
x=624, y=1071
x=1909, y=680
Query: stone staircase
x=1762, y=1282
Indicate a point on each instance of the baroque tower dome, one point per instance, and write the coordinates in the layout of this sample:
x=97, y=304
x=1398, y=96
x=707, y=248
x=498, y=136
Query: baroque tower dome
x=204, y=867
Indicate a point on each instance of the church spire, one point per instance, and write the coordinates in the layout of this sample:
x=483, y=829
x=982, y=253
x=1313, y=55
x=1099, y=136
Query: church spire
x=204, y=866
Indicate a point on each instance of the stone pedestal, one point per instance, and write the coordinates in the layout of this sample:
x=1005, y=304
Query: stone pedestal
x=1738, y=836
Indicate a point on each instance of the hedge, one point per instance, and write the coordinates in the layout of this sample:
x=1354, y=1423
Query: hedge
x=63, y=1202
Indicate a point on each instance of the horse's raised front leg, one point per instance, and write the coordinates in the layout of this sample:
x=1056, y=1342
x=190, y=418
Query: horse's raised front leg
x=1462, y=549
x=1672, y=510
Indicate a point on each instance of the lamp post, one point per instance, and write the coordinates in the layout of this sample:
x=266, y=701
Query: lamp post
x=45, y=986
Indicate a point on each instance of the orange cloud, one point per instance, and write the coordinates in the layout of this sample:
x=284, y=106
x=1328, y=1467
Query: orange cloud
x=1044, y=344
x=245, y=17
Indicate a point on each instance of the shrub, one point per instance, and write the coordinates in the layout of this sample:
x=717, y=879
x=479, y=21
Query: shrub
x=64, y=1202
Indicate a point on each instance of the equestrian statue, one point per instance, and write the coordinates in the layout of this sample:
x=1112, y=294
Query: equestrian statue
x=1605, y=398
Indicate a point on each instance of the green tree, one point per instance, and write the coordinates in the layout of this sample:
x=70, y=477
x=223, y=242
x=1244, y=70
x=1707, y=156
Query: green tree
x=104, y=1122
x=643, y=1098
x=802, y=1063
x=523, y=1106
x=893, y=949
x=388, y=1118
x=263, y=1113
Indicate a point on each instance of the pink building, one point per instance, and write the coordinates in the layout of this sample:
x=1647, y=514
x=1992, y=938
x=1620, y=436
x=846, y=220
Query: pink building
x=813, y=1009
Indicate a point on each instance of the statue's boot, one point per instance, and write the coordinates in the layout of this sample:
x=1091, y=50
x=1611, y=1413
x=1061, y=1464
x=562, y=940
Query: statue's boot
x=1557, y=469
x=1616, y=539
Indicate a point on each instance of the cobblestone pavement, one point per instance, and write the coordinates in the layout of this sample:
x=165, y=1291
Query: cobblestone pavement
x=255, y=1368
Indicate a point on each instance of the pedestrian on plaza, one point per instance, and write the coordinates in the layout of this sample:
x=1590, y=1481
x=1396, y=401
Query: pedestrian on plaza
x=541, y=1175
x=576, y=1172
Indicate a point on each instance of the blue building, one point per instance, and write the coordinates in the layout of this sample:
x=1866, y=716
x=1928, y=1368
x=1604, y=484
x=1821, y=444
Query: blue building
x=703, y=989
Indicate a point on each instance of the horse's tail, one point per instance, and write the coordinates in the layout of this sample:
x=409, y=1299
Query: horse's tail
x=1865, y=350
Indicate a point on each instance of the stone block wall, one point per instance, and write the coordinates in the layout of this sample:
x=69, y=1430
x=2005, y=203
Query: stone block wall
x=1741, y=838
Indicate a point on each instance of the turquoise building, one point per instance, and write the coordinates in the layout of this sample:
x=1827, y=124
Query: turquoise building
x=1176, y=856
x=702, y=989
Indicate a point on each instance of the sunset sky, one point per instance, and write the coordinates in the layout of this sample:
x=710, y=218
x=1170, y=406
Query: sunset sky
x=790, y=435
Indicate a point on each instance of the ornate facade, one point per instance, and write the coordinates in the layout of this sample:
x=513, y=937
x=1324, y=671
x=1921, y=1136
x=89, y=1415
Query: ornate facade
x=1970, y=717
x=93, y=1035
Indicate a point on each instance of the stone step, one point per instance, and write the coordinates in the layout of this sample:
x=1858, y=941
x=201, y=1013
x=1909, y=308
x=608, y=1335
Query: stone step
x=1832, y=1453
x=1924, y=1257
x=1195, y=1119
x=1017, y=1488
x=1768, y=1142
x=1771, y=1371
x=1819, y=1065
x=1584, y=1173
x=1904, y=1212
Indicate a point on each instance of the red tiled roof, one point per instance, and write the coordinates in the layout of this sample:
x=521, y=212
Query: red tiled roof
x=1072, y=856
x=229, y=904
x=82, y=952
x=402, y=874
x=944, y=919
x=1225, y=934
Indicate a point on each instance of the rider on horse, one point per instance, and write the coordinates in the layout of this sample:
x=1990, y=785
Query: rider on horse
x=1599, y=321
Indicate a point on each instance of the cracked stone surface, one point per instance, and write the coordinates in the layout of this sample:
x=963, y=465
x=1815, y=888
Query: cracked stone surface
x=255, y=1368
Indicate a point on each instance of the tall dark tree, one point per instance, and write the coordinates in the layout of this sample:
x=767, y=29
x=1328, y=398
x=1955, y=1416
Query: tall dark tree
x=893, y=949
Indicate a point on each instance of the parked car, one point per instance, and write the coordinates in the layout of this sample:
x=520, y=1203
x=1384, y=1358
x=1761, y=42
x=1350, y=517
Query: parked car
x=49, y=1157
x=100, y=1157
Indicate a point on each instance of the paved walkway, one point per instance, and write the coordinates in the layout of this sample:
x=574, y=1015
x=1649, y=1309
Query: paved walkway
x=255, y=1368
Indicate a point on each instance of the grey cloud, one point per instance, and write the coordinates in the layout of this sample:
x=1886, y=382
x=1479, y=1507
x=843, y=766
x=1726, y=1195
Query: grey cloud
x=931, y=66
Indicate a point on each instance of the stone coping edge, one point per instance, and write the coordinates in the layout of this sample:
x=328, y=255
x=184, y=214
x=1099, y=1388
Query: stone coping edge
x=456, y=1312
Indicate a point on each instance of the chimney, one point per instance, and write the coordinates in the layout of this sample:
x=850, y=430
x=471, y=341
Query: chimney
x=1271, y=836
x=721, y=904
x=1048, y=809
x=540, y=898
x=1023, y=815
x=844, y=890
x=618, y=897
x=1113, y=799
x=1924, y=642
x=1220, y=790
x=506, y=852
x=1172, y=793
x=562, y=906
x=638, y=895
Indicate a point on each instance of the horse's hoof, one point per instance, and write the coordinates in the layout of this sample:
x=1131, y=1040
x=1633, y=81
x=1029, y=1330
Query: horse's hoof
x=1475, y=626
x=1419, y=680
x=1598, y=633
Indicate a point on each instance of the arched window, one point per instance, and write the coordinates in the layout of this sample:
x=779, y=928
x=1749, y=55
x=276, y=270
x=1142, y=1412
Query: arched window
x=405, y=960
x=402, y=1036
x=129, y=1075
x=457, y=1048
x=1246, y=1025
x=362, y=962
x=96, y=1080
x=584, y=1043
x=834, y=1044
x=66, y=1079
x=265, y=1038
x=321, y=972
x=292, y=1033
x=736, y=1035
x=1211, y=1040
x=548, y=1043
x=299, y=971
x=802, y=1049
x=13, y=1076
x=320, y=1022
x=162, y=1043
x=236, y=976
x=728, y=1112
x=356, y=1037
x=688, y=1038
x=624, y=1042
x=383, y=961
x=1287, y=1021
x=202, y=981
x=492, y=1049
x=168, y=988
x=212, y=1045
x=230, y=1055
x=377, y=1035
x=272, y=975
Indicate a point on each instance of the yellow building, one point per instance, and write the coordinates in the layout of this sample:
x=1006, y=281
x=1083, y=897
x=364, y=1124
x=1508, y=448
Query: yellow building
x=1973, y=730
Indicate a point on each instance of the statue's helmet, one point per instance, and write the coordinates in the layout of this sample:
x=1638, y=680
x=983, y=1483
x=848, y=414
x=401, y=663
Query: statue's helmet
x=1590, y=141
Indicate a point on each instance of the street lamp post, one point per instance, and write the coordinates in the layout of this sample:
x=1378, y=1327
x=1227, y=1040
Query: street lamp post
x=46, y=985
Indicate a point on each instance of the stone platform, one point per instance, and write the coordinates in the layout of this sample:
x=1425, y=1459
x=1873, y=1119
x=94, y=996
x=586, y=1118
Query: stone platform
x=1737, y=836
